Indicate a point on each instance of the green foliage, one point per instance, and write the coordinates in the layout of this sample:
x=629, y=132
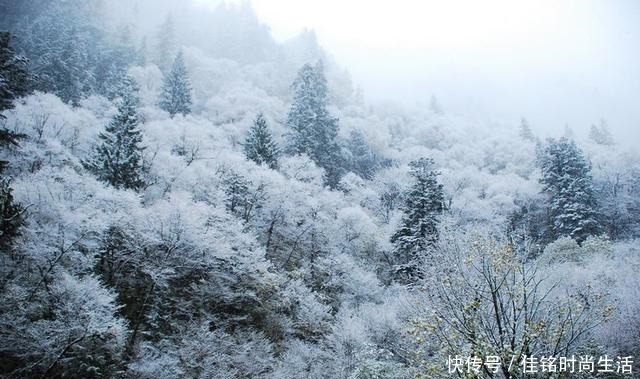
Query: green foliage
x=314, y=131
x=525, y=131
x=240, y=199
x=601, y=134
x=260, y=146
x=424, y=204
x=361, y=160
x=15, y=79
x=70, y=54
x=176, y=89
x=566, y=180
x=118, y=158
x=11, y=215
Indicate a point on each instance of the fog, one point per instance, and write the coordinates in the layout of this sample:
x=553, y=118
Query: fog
x=555, y=63
x=319, y=189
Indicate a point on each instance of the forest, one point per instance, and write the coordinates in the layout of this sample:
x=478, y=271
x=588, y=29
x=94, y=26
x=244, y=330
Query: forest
x=187, y=197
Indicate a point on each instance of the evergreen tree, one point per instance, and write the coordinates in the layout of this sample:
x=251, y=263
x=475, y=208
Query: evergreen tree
x=314, y=131
x=70, y=52
x=601, y=135
x=14, y=74
x=118, y=159
x=525, y=131
x=166, y=44
x=424, y=204
x=259, y=145
x=176, y=89
x=566, y=180
x=361, y=159
x=8, y=141
x=11, y=213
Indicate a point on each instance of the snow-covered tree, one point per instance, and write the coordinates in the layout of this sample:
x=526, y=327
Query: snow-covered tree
x=176, y=89
x=69, y=330
x=222, y=268
x=259, y=145
x=567, y=182
x=423, y=207
x=314, y=130
x=601, y=134
x=483, y=297
x=236, y=189
x=11, y=212
x=525, y=131
x=118, y=159
x=11, y=215
x=360, y=159
x=15, y=79
x=165, y=47
x=70, y=52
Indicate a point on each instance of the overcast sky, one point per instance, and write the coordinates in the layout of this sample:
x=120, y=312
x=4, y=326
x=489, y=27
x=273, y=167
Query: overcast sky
x=554, y=62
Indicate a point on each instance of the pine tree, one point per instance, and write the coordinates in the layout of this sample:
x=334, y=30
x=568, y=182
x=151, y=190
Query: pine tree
x=11, y=213
x=361, y=159
x=566, y=180
x=14, y=74
x=176, y=89
x=118, y=159
x=166, y=44
x=314, y=131
x=259, y=145
x=9, y=140
x=601, y=135
x=424, y=204
x=70, y=52
x=525, y=131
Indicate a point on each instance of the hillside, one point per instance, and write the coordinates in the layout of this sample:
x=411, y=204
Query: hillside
x=344, y=255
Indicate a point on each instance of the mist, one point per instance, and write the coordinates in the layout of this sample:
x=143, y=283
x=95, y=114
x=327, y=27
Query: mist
x=557, y=64
x=554, y=63
x=287, y=189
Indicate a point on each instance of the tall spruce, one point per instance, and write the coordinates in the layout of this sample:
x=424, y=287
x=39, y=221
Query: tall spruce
x=601, y=134
x=314, y=131
x=259, y=145
x=118, y=159
x=165, y=47
x=423, y=207
x=176, y=89
x=525, y=131
x=14, y=74
x=361, y=160
x=70, y=52
x=11, y=213
x=567, y=182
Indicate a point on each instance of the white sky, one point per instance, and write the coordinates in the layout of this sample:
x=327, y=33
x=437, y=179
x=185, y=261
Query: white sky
x=555, y=62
